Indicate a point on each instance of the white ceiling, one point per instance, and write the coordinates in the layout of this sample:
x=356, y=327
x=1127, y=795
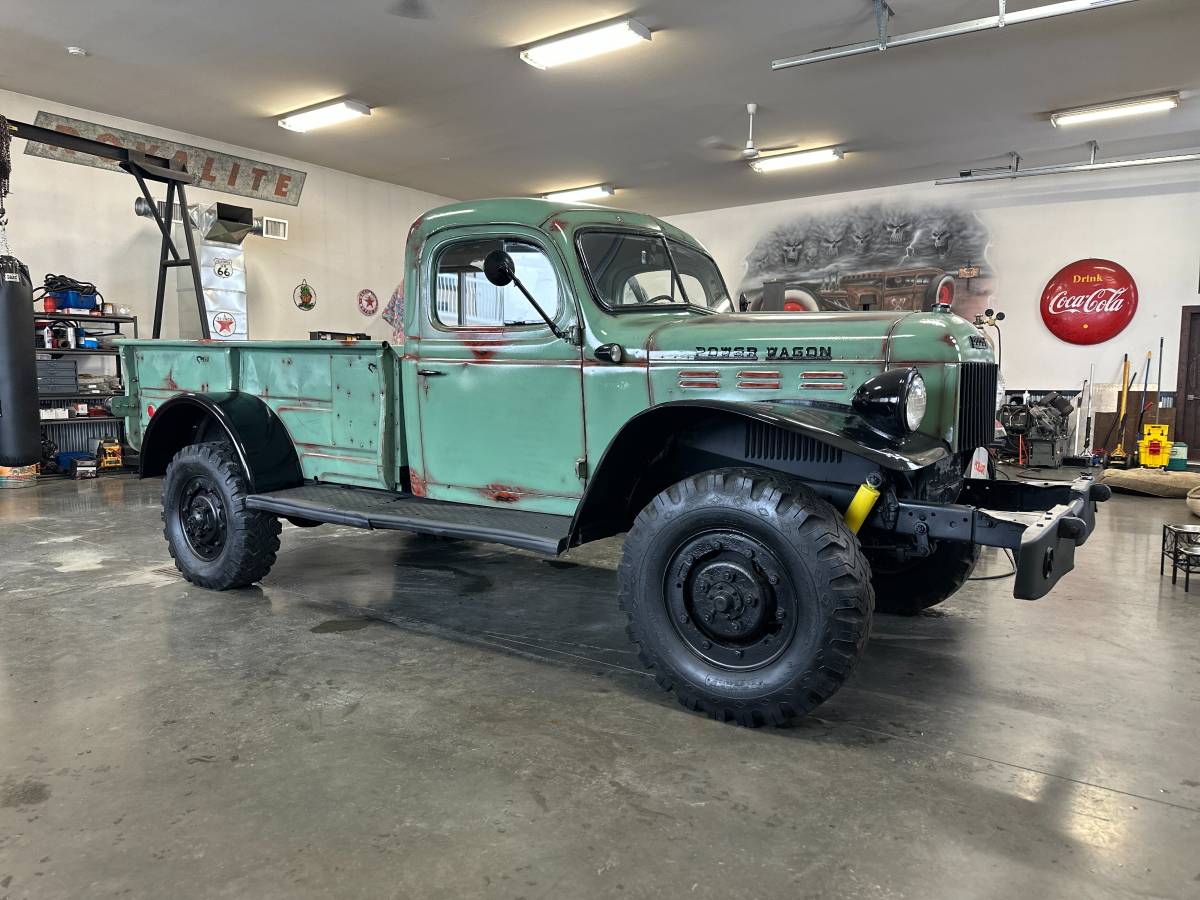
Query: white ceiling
x=457, y=113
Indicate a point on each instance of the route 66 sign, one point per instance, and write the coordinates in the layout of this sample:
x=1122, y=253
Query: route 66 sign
x=222, y=268
x=368, y=303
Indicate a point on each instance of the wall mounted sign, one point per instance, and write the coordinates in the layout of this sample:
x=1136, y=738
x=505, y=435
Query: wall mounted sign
x=1089, y=301
x=368, y=303
x=393, y=313
x=304, y=296
x=223, y=324
x=209, y=168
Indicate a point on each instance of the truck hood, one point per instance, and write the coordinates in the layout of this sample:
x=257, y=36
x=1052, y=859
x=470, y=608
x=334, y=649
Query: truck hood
x=891, y=338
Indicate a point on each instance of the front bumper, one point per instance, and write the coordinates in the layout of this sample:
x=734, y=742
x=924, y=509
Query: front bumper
x=1041, y=522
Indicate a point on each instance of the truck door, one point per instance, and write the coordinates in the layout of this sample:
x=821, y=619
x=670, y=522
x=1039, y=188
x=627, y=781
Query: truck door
x=500, y=396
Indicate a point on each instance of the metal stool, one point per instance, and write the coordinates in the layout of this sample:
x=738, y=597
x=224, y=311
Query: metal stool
x=1180, y=544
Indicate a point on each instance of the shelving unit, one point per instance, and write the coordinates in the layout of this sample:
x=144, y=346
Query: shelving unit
x=82, y=432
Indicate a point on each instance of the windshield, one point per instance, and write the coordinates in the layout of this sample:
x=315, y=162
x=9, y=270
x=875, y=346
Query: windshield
x=640, y=270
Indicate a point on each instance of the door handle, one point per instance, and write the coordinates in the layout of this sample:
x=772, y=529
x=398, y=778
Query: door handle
x=429, y=373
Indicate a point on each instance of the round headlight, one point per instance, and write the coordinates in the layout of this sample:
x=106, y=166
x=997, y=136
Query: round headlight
x=915, y=401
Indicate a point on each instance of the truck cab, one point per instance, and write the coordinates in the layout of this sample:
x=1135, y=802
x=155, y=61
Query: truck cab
x=568, y=373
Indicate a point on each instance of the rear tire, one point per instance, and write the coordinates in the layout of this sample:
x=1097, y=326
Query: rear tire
x=746, y=594
x=908, y=589
x=216, y=542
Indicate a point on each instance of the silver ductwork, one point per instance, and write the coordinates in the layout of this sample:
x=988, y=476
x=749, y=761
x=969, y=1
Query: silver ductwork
x=220, y=230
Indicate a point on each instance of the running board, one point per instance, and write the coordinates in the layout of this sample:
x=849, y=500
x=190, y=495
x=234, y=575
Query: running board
x=366, y=508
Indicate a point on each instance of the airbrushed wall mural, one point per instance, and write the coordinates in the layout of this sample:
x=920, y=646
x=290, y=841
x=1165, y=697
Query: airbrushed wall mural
x=873, y=256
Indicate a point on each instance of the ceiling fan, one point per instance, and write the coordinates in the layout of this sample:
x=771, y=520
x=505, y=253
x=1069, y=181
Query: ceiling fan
x=751, y=150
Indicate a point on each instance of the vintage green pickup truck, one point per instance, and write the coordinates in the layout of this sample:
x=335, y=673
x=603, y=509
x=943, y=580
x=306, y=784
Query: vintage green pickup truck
x=569, y=373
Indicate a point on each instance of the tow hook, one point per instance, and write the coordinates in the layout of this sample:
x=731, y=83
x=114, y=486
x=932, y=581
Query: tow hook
x=921, y=536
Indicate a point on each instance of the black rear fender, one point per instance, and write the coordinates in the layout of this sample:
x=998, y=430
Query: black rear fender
x=260, y=440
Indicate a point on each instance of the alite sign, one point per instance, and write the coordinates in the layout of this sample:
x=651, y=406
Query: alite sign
x=1089, y=301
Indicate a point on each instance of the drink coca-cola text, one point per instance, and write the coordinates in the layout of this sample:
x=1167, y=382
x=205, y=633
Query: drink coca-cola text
x=1099, y=300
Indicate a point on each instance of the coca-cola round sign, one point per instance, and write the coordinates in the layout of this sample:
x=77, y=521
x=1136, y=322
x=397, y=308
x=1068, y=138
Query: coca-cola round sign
x=1090, y=301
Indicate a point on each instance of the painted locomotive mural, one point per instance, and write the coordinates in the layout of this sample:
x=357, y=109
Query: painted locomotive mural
x=878, y=256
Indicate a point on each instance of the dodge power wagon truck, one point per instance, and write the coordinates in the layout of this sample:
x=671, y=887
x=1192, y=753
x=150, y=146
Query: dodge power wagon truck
x=568, y=373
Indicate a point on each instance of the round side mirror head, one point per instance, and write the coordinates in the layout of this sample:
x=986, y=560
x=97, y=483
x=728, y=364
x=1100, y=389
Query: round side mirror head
x=989, y=312
x=999, y=317
x=612, y=353
x=498, y=268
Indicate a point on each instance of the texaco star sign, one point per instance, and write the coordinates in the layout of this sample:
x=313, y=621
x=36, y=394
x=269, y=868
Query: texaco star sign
x=223, y=324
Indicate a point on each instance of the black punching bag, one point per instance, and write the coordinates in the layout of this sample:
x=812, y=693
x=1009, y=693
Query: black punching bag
x=20, y=429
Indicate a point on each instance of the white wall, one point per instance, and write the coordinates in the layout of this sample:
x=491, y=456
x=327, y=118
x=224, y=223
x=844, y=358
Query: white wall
x=347, y=233
x=1148, y=220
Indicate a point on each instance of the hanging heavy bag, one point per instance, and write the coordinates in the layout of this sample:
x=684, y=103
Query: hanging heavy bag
x=20, y=431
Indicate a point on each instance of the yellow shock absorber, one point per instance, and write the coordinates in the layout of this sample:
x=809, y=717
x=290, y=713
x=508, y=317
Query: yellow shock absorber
x=864, y=501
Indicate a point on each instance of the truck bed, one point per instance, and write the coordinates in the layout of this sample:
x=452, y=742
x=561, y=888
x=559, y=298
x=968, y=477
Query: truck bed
x=339, y=401
x=366, y=508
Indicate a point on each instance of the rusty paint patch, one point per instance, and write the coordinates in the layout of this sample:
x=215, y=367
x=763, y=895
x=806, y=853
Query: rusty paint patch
x=483, y=349
x=417, y=483
x=502, y=493
x=412, y=229
x=169, y=381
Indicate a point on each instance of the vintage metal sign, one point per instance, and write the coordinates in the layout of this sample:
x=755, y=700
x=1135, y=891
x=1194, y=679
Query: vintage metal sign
x=1089, y=301
x=209, y=168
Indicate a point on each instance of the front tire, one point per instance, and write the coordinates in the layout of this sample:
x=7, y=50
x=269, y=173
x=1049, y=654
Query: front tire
x=216, y=542
x=747, y=596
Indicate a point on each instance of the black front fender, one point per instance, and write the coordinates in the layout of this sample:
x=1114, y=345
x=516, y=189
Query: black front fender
x=633, y=467
x=841, y=427
x=259, y=438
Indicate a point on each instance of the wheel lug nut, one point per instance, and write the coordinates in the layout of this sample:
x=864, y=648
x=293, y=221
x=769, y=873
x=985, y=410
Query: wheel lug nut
x=774, y=579
x=683, y=620
x=706, y=644
x=737, y=653
x=780, y=614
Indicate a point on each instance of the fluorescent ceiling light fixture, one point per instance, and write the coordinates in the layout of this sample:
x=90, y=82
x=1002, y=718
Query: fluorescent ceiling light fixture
x=775, y=161
x=1122, y=109
x=578, y=195
x=585, y=43
x=325, y=114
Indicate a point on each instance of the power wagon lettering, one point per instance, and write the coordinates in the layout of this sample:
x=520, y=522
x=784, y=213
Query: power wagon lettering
x=706, y=353
x=781, y=353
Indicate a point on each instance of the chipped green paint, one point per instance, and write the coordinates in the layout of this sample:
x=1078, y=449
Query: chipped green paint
x=517, y=408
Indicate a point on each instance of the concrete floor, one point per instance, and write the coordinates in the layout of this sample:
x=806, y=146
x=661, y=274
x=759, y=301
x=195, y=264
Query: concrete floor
x=390, y=716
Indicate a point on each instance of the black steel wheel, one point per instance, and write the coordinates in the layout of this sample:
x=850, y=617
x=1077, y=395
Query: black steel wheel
x=215, y=540
x=202, y=518
x=746, y=594
x=733, y=602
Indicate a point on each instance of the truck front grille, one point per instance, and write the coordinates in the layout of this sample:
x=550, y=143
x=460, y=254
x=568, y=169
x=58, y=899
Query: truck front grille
x=976, y=404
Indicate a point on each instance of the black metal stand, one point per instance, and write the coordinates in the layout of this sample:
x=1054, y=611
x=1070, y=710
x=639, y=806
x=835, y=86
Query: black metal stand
x=143, y=168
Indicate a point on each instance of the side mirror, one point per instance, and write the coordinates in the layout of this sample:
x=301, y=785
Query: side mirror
x=610, y=353
x=498, y=268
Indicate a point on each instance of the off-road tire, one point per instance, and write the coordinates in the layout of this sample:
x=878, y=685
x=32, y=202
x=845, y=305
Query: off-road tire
x=802, y=542
x=250, y=541
x=907, y=590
